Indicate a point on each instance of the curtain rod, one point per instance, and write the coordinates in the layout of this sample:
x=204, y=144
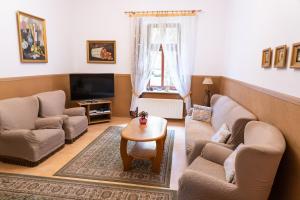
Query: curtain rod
x=162, y=13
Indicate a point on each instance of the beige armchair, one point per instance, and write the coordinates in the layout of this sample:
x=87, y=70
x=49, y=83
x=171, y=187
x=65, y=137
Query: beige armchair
x=52, y=104
x=24, y=138
x=255, y=165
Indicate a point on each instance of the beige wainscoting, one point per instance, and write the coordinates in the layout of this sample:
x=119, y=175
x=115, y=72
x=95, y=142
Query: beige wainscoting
x=29, y=85
x=282, y=111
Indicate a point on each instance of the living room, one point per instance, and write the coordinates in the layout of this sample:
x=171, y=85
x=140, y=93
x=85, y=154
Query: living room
x=217, y=81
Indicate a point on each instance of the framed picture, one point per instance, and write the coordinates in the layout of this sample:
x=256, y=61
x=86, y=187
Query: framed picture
x=32, y=38
x=295, y=62
x=101, y=51
x=267, y=58
x=281, y=56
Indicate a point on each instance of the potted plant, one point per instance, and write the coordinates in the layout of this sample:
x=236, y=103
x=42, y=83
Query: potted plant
x=143, y=117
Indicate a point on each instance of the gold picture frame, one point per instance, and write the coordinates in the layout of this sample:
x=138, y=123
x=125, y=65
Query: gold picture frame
x=267, y=58
x=101, y=51
x=32, y=38
x=281, y=55
x=295, y=61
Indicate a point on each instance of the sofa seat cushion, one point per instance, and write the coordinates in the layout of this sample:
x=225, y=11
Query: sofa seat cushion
x=52, y=103
x=196, y=130
x=201, y=165
x=18, y=113
x=74, y=126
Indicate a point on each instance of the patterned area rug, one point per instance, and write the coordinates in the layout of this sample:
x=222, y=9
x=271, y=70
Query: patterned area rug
x=101, y=160
x=34, y=187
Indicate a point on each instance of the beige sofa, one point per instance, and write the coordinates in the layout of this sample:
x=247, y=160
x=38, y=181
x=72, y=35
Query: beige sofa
x=24, y=138
x=225, y=110
x=256, y=165
x=53, y=104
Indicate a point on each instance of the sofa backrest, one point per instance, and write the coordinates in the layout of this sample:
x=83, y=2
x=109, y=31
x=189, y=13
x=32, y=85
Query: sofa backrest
x=258, y=160
x=18, y=113
x=227, y=111
x=51, y=103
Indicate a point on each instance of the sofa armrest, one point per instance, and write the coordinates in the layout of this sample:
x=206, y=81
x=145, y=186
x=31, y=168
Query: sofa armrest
x=195, y=186
x=216, y=153
x=199, y=146
x=49, y=123
x=78, y=111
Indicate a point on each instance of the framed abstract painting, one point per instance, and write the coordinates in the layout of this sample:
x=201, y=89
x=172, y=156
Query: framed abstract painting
x=99, y=51
x=32, y=38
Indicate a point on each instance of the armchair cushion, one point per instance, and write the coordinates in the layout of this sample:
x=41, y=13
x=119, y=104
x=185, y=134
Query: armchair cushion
x=49, y=123
x=216, y=153
x=78, y=111
x=18, y=113
x=52, y=103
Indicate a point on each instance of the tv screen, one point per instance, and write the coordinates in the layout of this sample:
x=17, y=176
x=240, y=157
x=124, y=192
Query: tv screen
x=91, y=86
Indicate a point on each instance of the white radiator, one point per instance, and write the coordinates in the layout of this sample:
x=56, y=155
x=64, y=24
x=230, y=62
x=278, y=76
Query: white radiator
x=166, y=108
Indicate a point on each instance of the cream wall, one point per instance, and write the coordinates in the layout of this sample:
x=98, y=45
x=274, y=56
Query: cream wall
x=57, y=15
x=105, y=20
x=253, y=25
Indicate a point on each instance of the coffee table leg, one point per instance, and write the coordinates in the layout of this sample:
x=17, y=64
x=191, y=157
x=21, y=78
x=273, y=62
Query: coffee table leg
x=159, y=153
x=125, y=157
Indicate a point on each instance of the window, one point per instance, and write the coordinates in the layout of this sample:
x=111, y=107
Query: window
x=160, y=36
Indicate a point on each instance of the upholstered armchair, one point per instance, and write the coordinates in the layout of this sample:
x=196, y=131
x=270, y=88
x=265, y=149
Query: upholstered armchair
x=24, y=138
x=75, y=121
x=256, y=165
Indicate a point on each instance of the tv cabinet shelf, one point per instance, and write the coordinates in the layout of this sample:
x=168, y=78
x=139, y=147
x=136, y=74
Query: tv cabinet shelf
x=97, y=111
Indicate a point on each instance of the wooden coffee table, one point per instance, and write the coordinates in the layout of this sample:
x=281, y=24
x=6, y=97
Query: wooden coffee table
x=149, y=141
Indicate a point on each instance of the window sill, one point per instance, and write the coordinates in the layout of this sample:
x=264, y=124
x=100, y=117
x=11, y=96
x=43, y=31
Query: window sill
x=161, y=92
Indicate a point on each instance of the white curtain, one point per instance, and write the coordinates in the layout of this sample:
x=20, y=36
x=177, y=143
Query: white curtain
x=142, y=65
x=181, y=57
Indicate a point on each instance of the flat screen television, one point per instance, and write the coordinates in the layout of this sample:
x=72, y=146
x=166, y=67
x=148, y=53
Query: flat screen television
x=91, y=86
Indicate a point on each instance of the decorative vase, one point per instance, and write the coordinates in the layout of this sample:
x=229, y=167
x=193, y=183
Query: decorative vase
x=143, y=120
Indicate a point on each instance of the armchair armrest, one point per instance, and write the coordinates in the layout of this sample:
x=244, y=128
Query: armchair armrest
x=49, y=123
x=195, y=186
x=78, y=111
x=215, y=153
x=199, y=145
x=17, y=136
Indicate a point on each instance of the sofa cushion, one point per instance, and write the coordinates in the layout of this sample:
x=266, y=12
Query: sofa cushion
x=201, y=113
x=221, y=108
x=52, y=103
x=221, y=135
x=196, y=130
x=201, y=165
x=18, y=113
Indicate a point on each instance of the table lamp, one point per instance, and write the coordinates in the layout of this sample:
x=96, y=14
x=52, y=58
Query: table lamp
x=208, y=82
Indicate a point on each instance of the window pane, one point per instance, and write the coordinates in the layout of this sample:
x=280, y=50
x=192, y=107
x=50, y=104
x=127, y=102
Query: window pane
x=155, y=57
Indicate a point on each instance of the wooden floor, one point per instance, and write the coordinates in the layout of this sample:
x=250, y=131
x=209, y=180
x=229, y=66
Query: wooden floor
x=59, y=159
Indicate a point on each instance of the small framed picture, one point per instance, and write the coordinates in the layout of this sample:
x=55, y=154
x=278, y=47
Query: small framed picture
x=266, y=58
x=295, y=62
x=99, y=51
x=281, y=53
x=32, y=38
